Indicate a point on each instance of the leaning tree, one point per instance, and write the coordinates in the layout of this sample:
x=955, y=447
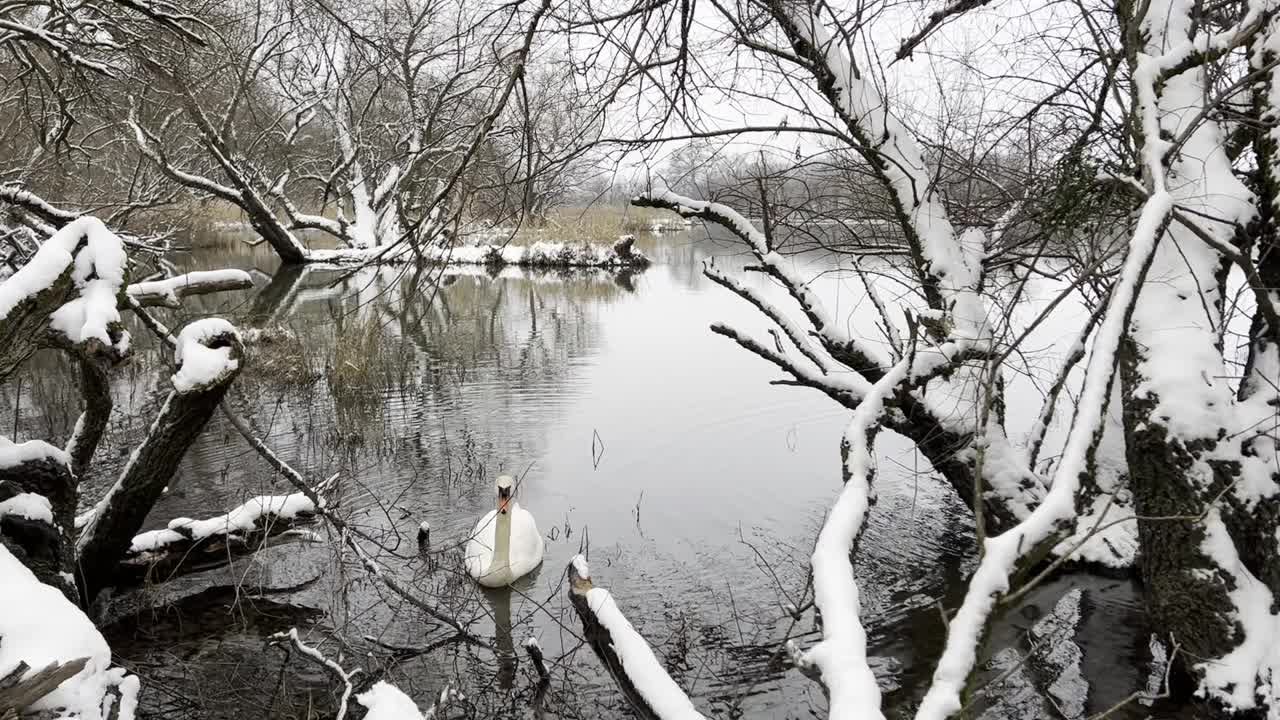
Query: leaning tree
x=1153, y=171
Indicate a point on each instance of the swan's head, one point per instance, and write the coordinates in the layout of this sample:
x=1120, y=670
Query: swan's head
x=424, y=533
x=506, y=487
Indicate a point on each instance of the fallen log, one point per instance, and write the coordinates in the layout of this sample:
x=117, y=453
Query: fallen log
x=170, y=291
x=188, y=545
x=625, y=654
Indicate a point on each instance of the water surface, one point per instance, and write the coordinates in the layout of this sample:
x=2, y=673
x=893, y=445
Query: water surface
x=640, y=438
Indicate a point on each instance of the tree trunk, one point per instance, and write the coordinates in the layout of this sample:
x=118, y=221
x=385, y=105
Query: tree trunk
x=120, y=514
x=95, y=387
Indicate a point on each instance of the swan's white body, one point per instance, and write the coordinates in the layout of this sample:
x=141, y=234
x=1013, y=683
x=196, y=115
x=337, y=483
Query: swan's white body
x=504, y=547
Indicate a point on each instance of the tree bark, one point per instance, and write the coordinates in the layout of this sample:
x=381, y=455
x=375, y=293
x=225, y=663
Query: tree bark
x=95, y=387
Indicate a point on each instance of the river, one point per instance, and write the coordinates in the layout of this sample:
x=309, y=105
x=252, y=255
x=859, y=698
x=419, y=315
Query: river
x=640, y=438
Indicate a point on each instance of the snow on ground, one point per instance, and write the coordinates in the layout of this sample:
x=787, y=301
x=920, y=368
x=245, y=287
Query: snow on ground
x=199, y=365
x=39, y=626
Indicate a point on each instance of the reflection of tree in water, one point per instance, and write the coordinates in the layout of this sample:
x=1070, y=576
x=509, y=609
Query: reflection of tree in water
x=398, y=351
x=439, y=374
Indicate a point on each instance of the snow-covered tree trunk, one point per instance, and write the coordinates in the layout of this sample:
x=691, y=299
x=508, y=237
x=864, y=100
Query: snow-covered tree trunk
x=38, y=494
x=1202, y=477
x=209, y=357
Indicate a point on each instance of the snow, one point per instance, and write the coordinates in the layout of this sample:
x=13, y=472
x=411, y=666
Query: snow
x=31, y=506
x=39, y=626
x=642, y=668
x=170, y=288
x=537, y=254
x=841, y=656
x=388, y=702
x=154, y=540
x=12, y=454
x=1233, y=679
x=97, y=271
x=581, y=568
x=1107, y=531
x=199, y=365
x=244, y=518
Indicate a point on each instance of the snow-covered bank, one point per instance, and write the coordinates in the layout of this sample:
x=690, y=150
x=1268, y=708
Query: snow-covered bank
x=622, y=255
x=40, y=628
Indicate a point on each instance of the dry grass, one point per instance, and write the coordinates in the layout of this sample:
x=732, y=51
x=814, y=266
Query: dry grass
x=597, y=224
x=366, y=360
x=279, y=357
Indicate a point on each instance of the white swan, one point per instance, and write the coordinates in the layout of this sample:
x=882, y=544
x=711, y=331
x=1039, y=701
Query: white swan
x=505, y=544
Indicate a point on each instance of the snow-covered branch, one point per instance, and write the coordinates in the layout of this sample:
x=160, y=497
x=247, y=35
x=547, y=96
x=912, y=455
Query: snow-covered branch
x=624, y=652
x=949, y=264
x=841, y=656
x=849, y=350
x=170, y=291
x=381, y=700
x=793, y=332
x=845, y=388
x=244, y=529
x=1002, y=553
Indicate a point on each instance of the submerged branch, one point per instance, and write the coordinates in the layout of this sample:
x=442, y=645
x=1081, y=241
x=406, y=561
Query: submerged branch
x=348, y=534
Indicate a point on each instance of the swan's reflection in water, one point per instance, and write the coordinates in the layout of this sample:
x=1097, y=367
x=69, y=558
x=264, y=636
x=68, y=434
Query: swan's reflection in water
x=499, y=600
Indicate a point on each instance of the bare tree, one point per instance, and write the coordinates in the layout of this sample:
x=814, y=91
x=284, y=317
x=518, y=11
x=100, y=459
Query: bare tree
x=1148, y=179
x=358, y=125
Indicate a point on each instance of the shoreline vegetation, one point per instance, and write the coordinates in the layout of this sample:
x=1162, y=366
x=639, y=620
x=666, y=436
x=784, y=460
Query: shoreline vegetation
x=592, y=237
x=594, y=224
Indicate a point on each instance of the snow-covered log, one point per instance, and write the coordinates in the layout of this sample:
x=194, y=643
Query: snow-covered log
x=650, y=691
x=186, y=544
x=170, y=291
x=621, y=255
x=209, y=355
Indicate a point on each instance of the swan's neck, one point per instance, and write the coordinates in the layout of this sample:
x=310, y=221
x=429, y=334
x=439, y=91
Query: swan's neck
x=502, y=540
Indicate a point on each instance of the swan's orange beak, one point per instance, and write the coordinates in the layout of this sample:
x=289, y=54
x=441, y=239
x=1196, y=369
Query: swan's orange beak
x=502, y=504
